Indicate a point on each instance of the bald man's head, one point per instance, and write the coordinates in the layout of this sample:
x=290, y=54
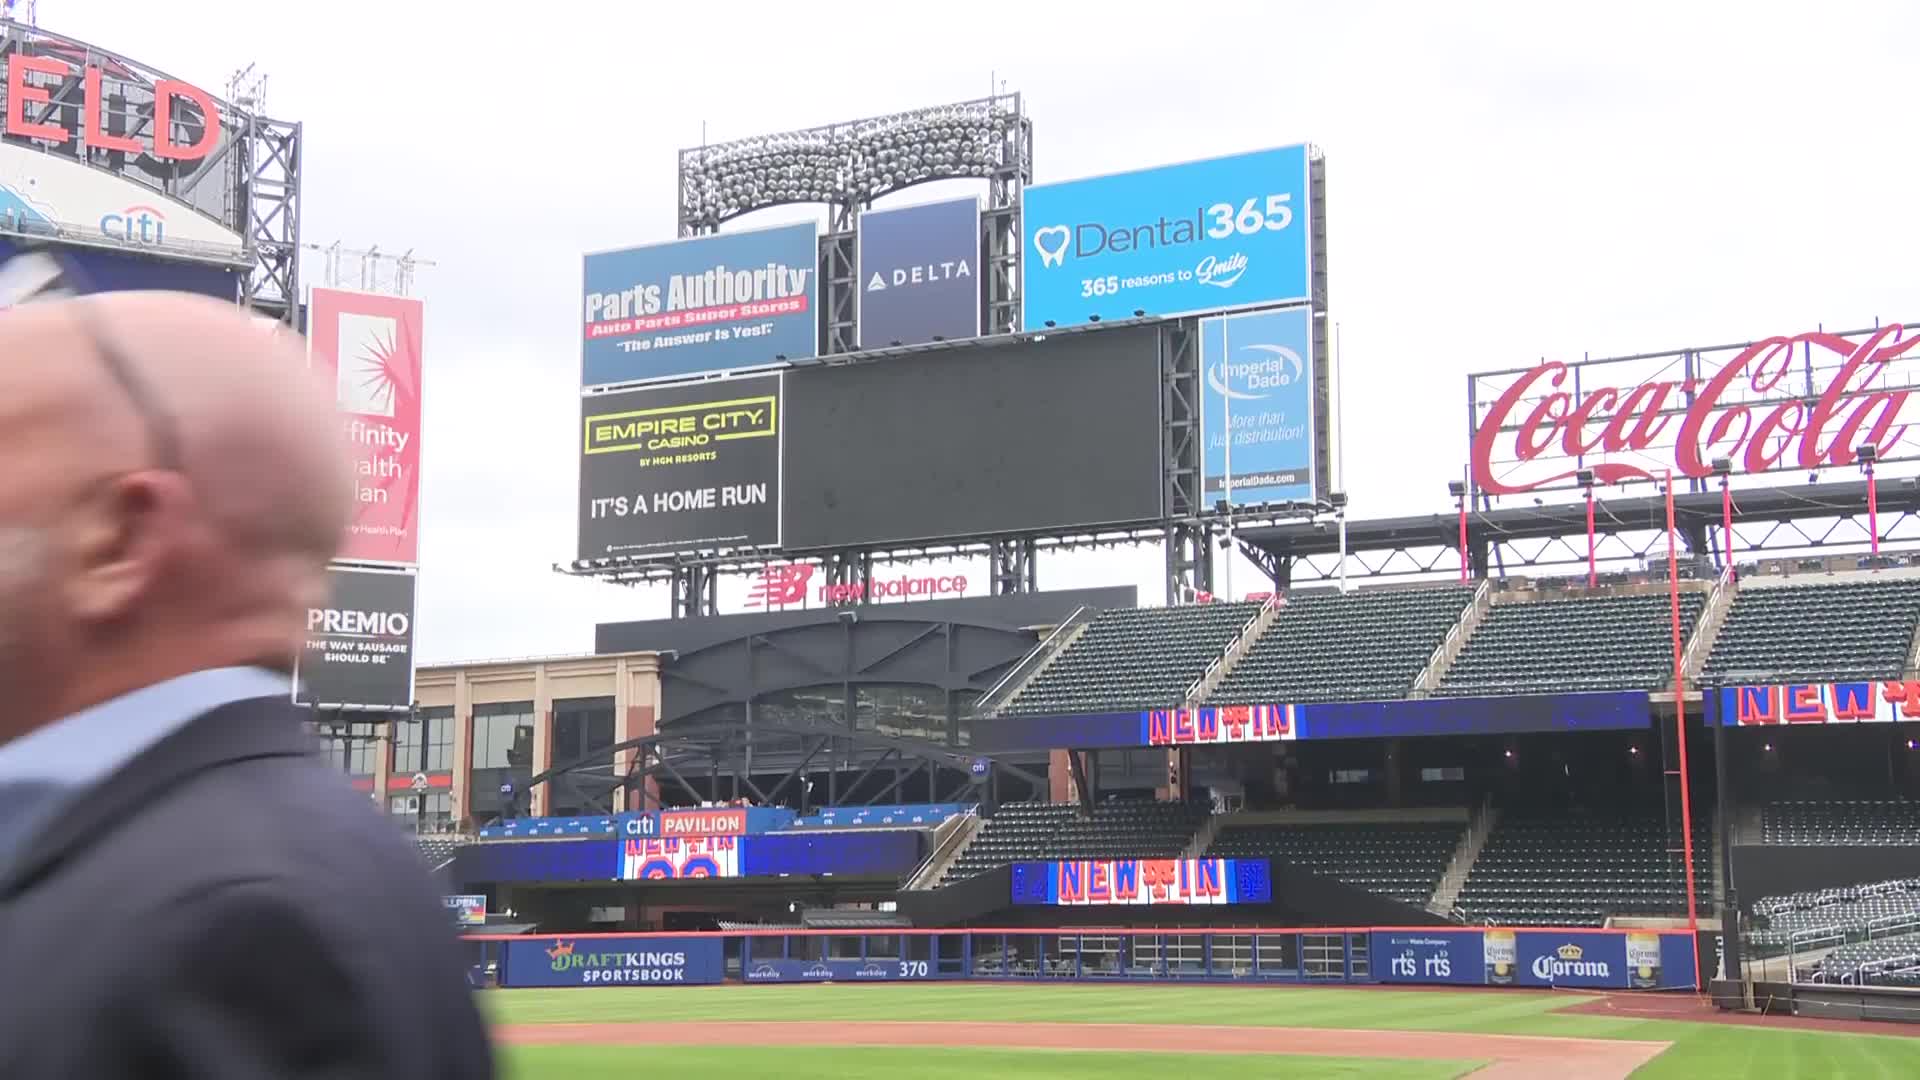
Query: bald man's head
x=176, y=485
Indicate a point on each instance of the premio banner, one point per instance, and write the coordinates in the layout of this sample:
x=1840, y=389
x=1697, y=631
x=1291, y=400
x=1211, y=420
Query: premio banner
x=358, y=650
x=1205, y=236
x=369, y=347
x=1256, y=407
x=730, y=300
x=680, y=468
x=919, y=273
x=619, y=960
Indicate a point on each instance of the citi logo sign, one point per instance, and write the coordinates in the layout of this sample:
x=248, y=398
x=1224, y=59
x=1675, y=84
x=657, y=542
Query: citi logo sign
x=135, y=225
x=1092, y=239
x=1276, y=368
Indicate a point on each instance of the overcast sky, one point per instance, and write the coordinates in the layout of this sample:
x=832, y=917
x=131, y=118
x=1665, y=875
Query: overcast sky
x=1505, y=182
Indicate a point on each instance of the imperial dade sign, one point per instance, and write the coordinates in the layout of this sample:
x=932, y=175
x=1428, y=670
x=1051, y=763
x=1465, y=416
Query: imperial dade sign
x=792, y=585
x=1791, y=403
x=358, y=652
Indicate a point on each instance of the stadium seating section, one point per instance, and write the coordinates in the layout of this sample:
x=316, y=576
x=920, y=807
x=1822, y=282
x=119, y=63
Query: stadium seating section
x=1360, y=646
x=1401, y=861
x=1121, y=829
x=1850, y=913
x=1578, y=871
x=1851, y=822
x=438, y=849
x=1850, y=630
x=1568, y=646
x=1889, y=961
x=1134, y=658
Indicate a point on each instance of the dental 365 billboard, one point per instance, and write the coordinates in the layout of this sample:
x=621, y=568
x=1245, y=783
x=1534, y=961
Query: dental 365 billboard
x=1210, y=235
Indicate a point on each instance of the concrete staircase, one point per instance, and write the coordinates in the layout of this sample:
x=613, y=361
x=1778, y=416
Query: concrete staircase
x=1447, y=893
x=1203, y=838
x=1707, y=631
x=1035, y=662
x=1237, y=648
x=949, y=841
x=1456, y=639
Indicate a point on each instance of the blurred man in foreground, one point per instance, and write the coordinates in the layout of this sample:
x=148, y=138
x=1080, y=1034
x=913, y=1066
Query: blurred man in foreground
x=186, y=890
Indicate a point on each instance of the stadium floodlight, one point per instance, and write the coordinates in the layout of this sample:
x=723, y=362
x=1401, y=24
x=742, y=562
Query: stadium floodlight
x=1723, y=466
x=848, y=163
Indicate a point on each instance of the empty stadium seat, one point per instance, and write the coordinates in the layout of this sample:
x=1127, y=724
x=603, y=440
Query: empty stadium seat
x=1591, y=643
x=437, y=850
x=1579, y=870
x=1818, y=633
x=1361, y=646
x=1844, y=913
x=1120, y=829
x=1842, y=822
x=1888, y=961
x=1134, y=658
x=1401, y=861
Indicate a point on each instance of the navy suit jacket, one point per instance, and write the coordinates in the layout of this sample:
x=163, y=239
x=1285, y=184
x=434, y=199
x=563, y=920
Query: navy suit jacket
x=226, y=906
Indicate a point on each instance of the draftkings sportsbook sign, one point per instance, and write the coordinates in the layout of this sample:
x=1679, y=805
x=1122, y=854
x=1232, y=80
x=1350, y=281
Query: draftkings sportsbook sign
x=358, y=651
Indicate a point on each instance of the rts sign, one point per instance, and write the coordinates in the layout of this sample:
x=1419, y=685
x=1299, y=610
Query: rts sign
x=32, y=81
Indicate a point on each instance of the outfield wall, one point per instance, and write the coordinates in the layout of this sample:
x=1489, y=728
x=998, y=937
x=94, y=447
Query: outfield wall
x=1585, y=959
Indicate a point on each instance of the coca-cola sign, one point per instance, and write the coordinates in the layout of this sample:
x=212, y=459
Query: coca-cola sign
x=1804, y=402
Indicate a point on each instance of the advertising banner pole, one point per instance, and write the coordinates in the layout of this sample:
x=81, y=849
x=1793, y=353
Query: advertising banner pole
x=1680, y=725
x=1226, y=481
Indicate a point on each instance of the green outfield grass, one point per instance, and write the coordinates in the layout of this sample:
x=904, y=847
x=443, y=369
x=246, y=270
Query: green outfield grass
x=1699, y=1051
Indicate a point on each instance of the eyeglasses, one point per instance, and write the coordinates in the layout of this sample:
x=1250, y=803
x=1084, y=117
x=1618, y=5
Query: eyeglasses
x=38, y=274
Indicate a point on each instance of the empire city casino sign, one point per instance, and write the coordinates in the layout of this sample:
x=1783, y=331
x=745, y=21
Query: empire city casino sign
x=31, y=113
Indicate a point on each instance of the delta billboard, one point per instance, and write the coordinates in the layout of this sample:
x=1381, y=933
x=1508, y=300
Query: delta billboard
x=1256, y=407
x=1205, y=236
x=1789, y=403
x=919, y=273
x=369, y=347
x=680, y=468
x=730, y=300
x=358, y=652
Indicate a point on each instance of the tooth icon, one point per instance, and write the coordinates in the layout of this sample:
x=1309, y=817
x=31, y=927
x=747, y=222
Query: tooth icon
x=1051, y=254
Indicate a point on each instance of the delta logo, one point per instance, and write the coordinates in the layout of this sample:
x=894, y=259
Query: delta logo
x=1568, y=962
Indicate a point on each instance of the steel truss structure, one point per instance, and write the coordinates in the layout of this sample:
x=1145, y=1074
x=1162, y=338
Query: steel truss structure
x=250, y=183
x=1629, y=534
x=726, y=752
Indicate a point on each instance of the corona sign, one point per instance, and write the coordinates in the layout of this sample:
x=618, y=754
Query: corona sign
x=185, y=120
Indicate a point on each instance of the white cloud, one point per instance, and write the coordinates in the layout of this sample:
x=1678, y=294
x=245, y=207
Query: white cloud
x=1506, y=181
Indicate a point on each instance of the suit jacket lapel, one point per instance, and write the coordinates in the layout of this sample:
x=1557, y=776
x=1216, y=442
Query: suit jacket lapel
x=261, y=727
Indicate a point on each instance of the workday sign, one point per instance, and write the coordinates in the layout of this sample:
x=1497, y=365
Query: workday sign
x=1205, y=236
x=919, y=271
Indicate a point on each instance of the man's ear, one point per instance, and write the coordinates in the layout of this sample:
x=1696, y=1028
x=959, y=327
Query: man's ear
x=120, y=542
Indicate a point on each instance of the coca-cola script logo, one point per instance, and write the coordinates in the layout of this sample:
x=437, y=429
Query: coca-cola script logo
x=1535, y=429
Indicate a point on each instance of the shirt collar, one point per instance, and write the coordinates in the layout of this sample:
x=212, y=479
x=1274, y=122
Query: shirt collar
x=90, y=745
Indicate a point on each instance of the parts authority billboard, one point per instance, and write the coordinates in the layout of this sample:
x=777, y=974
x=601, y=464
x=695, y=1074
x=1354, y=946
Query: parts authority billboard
x=919, y=273
x=358, y=652
x=1259, y=387
x=369, y=346
x=680, y=468
x=1212, y=235
x=730, y=300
